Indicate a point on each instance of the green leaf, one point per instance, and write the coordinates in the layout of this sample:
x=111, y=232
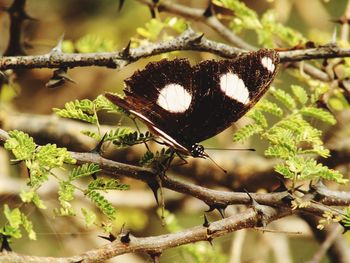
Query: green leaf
x=13, y=217
x=32, y=196
x=150, y=159
x=244, y=18
x=283, y=151
x=89, y=217
x=21, y=145
x=49, y=156
x=346, y=219
x=283, y=97
x=107, y=184
x=284, y=170
x=300, y=94
x=65, y=196
x=84, y=170
x=319, y=114
x=258, y=117
x=91, y=134
x=273, y=30
x=119, y=134
x=151, y=30
x=102, y=103
x=247, y=131
x=28, y=226
x=269, y=107
x=83, y=110
x=128, y=139
x=102, y=203
x=178, y=24
x=93, y=43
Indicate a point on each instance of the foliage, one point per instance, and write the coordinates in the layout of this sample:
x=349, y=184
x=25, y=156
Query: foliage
x=292, y=138
x=41, y=162
x=16, y=219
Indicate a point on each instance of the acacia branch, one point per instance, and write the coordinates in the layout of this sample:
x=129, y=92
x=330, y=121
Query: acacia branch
x=189, y=40
x=154, y=245
x=213, y=198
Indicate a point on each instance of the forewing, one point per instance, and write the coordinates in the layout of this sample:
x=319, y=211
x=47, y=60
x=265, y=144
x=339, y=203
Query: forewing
x=225, y=90
x=161, y=96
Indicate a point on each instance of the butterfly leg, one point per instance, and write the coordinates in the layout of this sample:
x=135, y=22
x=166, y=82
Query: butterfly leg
x=139, y=131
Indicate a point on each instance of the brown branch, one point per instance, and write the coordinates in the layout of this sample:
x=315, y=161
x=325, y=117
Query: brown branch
x=18, y=16
x=213, y=198
x=189, y=40
x=156, y=244
x=338, y=251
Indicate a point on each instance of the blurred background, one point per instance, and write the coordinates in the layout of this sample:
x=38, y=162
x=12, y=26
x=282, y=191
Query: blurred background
x=96, y=26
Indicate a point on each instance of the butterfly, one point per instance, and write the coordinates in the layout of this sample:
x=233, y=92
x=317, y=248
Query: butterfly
x=184, y=104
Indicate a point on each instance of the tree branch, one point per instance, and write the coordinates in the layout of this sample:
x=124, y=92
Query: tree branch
x=156, y=244
x=189, y=40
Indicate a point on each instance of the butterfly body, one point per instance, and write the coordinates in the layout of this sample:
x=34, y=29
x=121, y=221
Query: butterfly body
x=185, y=105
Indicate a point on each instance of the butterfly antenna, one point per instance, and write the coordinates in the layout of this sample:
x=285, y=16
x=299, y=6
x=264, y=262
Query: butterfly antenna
x=216, y=164
x=230, y=149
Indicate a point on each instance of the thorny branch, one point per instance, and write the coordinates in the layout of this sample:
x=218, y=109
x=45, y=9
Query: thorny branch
x=154, y=245
x=189, y=40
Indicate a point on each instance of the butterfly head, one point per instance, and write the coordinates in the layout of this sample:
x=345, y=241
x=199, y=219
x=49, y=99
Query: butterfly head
x=197, y=150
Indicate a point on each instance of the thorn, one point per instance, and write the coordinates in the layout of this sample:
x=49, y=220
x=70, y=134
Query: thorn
x=98, y=147
x=154, y=185
x=152, y=11
x=59, y=78
x=257, y=208
x=126, y=51
x=197, y=39
x=58, y=48
x=221, y=211
x=206, y=221
x=210, y=240
x=209, y=10
x=334, y=37
x=110, y=238
x=252, y=200
x=211, y=208
x=121, y=3
x=288, y=199
x=125, y=238
x=282, y=187
x=5, y=245
x=155, y=256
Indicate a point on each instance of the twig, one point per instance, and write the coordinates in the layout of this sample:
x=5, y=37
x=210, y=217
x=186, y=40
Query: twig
x=17, y=15
x=327, y=243
x=344, y=35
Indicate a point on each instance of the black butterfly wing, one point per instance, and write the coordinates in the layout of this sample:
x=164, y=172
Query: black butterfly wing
x=144, y=98
x=212, y=109
x=200, y=108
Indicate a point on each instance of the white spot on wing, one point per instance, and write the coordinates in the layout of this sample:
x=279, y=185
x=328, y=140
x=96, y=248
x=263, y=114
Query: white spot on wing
x=174, y=98
x=234, y=87
x=268, y=64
